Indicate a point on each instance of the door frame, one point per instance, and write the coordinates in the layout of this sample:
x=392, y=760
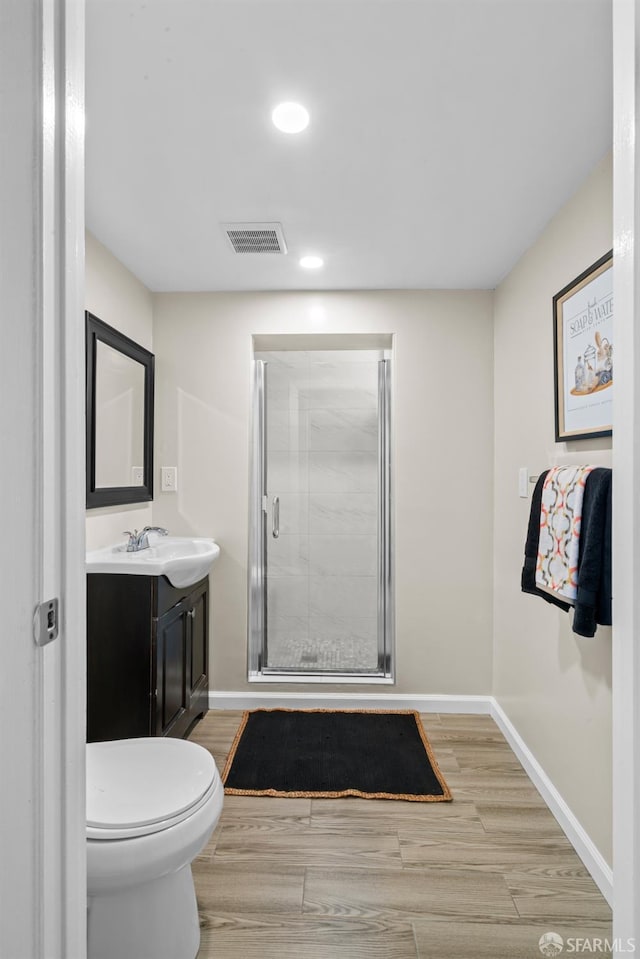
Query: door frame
x=257, y=620
x=54, y=34
x=626, y=472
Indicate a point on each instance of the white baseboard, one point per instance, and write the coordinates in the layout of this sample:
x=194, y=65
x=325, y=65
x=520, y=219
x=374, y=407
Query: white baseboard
x=600, y=870
x=320, y=700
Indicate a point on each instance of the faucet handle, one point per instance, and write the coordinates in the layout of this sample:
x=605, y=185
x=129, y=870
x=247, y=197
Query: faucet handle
x=132, y=541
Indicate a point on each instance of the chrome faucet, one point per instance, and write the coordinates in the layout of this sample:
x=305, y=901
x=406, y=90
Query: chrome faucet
x=138, y=541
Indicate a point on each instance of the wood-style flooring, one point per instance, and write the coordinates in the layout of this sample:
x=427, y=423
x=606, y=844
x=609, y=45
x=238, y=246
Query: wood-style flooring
x=482, y=877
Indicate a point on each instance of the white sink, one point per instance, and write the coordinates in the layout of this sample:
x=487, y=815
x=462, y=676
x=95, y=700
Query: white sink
x=184, y=560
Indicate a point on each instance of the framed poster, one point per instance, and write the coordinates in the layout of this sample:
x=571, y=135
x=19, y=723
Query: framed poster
x=583, y=353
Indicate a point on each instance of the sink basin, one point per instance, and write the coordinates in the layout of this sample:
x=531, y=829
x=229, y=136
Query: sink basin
x=184, y=560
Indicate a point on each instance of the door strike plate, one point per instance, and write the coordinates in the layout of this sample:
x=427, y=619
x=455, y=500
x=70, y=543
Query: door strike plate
x=45, y=622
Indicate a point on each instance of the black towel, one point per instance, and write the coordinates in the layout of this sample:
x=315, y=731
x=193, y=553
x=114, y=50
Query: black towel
x=593, y=602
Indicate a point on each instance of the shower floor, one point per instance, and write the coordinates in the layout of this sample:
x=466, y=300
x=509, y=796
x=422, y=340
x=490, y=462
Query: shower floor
x=340, y=654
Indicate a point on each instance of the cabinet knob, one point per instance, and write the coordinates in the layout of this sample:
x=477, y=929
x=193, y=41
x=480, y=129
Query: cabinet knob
x=192, y=613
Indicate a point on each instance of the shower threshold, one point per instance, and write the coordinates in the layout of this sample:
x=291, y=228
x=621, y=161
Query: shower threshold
x=334, y=678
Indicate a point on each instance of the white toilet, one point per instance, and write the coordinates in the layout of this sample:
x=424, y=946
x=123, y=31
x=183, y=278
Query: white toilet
x=152, y=805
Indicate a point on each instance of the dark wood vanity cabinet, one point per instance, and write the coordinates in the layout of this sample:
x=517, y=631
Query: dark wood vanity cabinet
x=147, y=656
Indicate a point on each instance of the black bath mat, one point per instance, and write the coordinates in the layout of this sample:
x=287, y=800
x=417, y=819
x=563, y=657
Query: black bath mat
x=331, y=753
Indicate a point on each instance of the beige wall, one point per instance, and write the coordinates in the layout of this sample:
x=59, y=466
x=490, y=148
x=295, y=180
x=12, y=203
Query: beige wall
x=554, y=686
x=117, y=297
x=443, y=462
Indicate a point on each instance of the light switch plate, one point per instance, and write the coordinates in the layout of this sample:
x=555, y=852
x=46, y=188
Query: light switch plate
x=169, y=479
x=523, y=482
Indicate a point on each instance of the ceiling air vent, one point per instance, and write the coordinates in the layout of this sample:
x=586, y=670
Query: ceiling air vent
x=255, y=237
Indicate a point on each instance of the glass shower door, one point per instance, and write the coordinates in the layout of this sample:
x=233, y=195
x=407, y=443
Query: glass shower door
x=324, y=483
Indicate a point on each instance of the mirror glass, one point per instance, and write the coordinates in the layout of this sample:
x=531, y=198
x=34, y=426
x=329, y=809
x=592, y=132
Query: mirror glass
x=119, y=417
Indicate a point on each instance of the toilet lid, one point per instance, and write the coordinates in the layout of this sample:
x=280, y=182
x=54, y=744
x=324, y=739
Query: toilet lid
x=133, y=783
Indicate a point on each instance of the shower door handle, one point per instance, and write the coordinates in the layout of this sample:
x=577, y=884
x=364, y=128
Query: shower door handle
x=275, y=528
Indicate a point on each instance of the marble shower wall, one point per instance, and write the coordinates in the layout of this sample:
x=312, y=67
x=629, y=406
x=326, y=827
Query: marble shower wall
x=322, y=462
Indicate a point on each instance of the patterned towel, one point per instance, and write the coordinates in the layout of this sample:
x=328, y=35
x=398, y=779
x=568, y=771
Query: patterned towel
x=559, y=543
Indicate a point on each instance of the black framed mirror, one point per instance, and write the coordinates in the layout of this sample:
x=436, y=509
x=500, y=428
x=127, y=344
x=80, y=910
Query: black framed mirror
x=120, y=375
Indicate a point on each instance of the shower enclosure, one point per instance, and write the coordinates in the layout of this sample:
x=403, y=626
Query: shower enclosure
x=320, y=596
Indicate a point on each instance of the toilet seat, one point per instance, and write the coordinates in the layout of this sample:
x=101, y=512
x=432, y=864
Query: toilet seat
x=136, y=787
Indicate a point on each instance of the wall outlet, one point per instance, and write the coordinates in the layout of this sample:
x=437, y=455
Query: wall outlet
x=169, y=479
x=137, y=475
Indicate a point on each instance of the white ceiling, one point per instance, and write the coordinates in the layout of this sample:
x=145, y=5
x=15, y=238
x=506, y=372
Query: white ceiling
x=444, y=135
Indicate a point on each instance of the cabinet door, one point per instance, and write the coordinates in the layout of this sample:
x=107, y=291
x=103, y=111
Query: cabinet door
x=182, y=686
x=119, y=656
x=198, y=603
x=172, y=696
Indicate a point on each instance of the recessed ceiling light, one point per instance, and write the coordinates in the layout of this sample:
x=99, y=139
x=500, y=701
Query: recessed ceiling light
x=290, y=117
x=312, y=262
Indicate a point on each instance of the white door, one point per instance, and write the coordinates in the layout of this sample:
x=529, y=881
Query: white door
x=42, y=843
